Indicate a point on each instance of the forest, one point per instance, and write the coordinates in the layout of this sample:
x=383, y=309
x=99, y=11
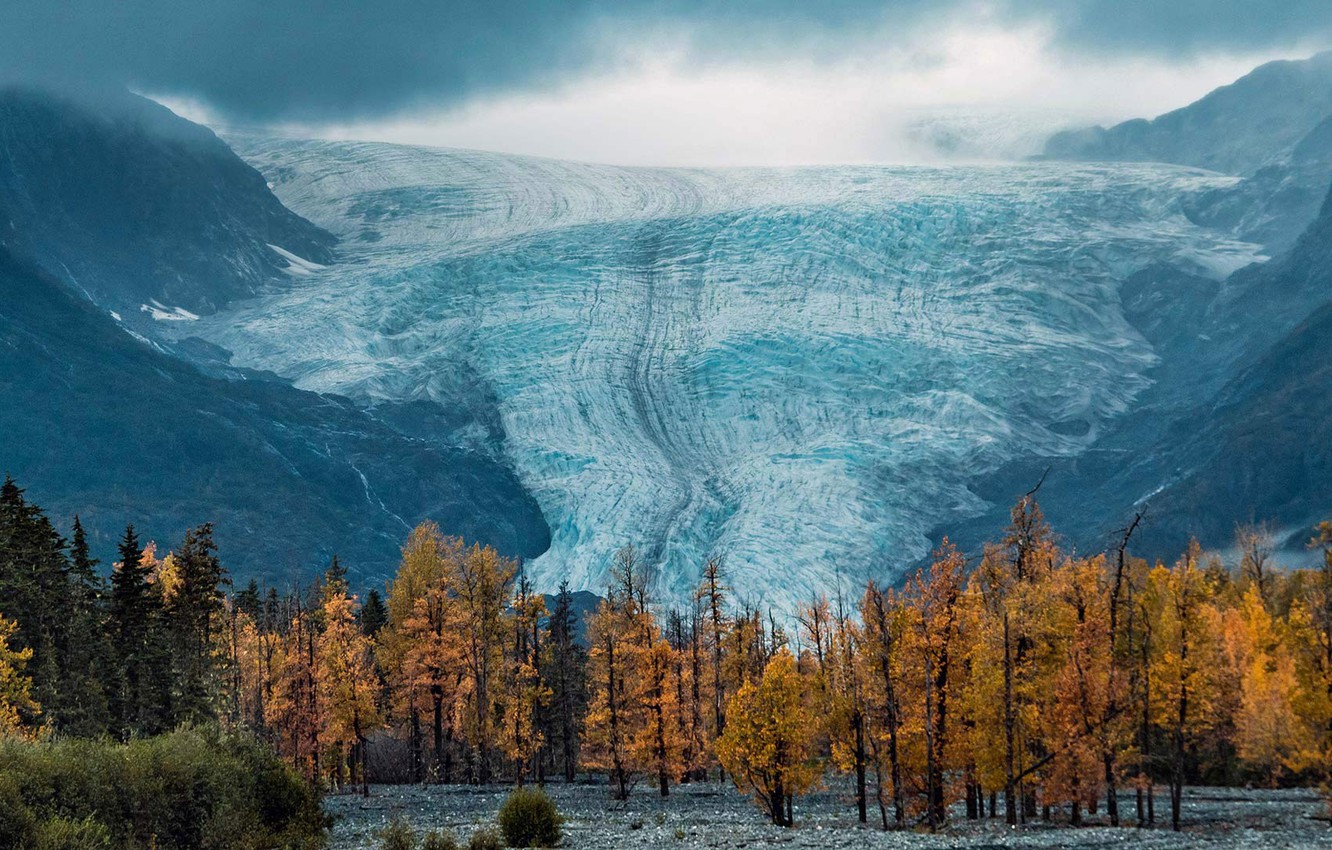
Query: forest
x=1028, y=683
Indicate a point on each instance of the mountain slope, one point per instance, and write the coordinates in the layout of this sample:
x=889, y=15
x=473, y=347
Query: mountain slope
x=1262, y=447
x=143, y=212
x=96, y=422
x=1236, y=129
x=1235, y=427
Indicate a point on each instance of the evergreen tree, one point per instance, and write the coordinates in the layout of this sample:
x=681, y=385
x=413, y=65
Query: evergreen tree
x=193, y=616
x=131, y=616
x=86, y=663
x=248, y=601
x=373, y=615
x=565, y=673
x=38, y=591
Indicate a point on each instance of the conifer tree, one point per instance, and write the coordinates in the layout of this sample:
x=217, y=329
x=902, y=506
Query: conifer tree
x=373, y=614
x=36, y=592
x=565, y=674
x=249, y=602
x=88, y=653
x=193, y=618
x=131, y=618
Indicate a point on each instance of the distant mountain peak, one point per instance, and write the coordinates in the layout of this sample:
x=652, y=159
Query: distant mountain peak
x=130, y=204
x=1235, y=129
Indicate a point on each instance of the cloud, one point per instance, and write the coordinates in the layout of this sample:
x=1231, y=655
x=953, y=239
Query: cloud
x=971, y=92
x=346, y=60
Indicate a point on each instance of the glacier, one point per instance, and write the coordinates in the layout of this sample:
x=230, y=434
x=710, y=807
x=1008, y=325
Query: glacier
x=800, y=370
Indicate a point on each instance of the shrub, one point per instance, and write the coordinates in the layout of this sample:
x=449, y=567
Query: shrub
x=529, y=818
x=196, y=789
x=18, y=825
x=397, y=836
x=485, y=839
x=63, y=834
x=439, y=840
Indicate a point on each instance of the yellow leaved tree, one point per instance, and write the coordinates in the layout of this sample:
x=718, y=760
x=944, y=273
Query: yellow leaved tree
x=16, y=702
x=767, y=746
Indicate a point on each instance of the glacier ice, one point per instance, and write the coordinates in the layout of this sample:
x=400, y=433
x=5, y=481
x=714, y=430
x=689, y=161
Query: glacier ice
x=799, y=369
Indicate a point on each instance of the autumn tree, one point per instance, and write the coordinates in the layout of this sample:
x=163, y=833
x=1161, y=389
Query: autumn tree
x=18, y=710
x=1185, y=663
x=1271, y=737
x=626, y=730
x=344, y=665
x=1310, y=638
x=1013, y=655
x=1079, y=726
x=937, y=594
x=687, y=677
x=525, y=694
x=885, y=622
x=293, y=702
x=611, y=716
x=421, y=647
x=767, y=746
x=481, y=587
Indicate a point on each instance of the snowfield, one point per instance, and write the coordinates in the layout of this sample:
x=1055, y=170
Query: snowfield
x=799, y=369
x=710, y=815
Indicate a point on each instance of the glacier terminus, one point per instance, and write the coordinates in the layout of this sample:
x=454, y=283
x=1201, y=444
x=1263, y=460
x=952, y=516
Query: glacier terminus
x=799, y=370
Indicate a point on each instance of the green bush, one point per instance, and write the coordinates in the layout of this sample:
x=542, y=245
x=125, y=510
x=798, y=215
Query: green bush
x=62, y=834
x=18, y=825
x=439, y=840
x=529, y=818
x=196, y=789
x=397, y=836
x=485, y=839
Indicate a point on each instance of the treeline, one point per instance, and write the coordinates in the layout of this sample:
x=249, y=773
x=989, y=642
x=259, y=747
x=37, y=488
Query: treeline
x=133, y=656
x=1035, y=682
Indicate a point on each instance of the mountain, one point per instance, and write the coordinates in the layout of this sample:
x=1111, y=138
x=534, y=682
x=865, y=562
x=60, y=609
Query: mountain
x=1272, y=128
x=120, y=220
x=1275, y=204
x=1236, y=426
x=803, y=370
x=811, y=372
x=1236, y=129
x=99, y=423
x=1261, y=448
x=145, y=213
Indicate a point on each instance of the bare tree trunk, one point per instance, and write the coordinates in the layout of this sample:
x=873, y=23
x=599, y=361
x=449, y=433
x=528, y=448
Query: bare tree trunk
x=437, y=726
x=858, y=722
x=1010, y=786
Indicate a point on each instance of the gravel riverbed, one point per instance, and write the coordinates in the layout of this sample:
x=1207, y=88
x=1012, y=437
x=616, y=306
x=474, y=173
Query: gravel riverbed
x=715, y=816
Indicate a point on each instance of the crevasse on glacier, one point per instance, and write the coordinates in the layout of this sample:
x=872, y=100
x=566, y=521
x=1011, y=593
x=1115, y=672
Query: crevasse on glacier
x=797, y=369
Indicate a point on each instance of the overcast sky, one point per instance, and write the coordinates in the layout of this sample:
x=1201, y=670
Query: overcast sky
x=664, y=82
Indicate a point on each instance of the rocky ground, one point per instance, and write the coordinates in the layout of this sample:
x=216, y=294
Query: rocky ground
x=708, y=815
